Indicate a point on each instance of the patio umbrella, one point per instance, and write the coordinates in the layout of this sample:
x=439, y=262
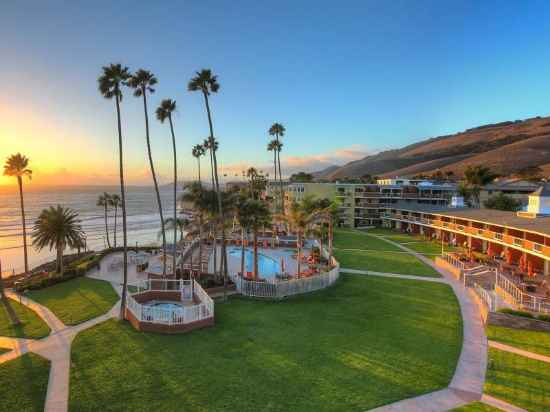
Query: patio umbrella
x=490, y=251
x=283, y=265
x=508, y=256
x=530, y=271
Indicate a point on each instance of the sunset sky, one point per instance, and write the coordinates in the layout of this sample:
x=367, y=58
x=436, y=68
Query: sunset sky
x=345, y=78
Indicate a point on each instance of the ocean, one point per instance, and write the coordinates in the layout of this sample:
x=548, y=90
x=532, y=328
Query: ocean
x=143, y=219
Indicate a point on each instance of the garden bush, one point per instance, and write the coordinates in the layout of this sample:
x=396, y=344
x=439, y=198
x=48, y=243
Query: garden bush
x=521, y=313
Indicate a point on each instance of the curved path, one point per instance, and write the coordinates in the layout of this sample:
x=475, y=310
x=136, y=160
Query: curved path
x=56, y=347
x=469, y=377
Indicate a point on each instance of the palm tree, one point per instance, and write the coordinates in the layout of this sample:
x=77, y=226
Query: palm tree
x=164, y=111
x=115, y=202
x=110, y=81
x=207, y=83
x=58, y=228
x=272, y=147
x=104, y=201
x=476, y=177
x=212, y=146
x=178, y=225
x=300, y=218
x=253, y=215
x=278, y=130
x=198, y=151
x=142, y=82
x=17, y=166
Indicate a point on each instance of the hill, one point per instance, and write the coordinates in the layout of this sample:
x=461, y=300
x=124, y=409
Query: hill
x=504, y=147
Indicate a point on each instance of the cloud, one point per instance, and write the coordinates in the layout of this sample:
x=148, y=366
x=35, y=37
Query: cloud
x=308, y=163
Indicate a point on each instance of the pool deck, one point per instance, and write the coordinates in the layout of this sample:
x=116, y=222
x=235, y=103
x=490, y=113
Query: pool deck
x=234, y=262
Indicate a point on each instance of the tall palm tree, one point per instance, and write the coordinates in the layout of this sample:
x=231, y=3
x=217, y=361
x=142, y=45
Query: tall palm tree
x=104, y=201
x=253, y=215
x=278, y=130
x=300, y=218
x=212, y=146
x=115, y=202
x=57, y=228
x=17, y=166
x=113, y=77
x=272, y=147
x=207, y=83
x=476, y=177
x=197, y=152
x=164, y=111
x=142, y=82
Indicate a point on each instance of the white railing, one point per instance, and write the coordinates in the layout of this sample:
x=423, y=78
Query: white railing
x=175, y=316
x=453, y=260
x=488, y=298
x=517, y=297
x=281, y=289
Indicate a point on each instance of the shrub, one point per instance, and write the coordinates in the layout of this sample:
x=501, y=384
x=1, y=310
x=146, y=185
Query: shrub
x=544, y=318
x=521, y=313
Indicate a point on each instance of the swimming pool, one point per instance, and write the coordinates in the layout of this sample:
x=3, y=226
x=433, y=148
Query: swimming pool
x=165, y=305
x=267, y=266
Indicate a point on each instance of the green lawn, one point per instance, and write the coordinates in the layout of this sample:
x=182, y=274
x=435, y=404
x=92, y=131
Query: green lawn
x=529, y=340
x=476, y=407
x=364, y=342
x=24, y=382
x=31, y=326
x=518, y=380
x=402, y=263
x=355, y=239
x=77, y=300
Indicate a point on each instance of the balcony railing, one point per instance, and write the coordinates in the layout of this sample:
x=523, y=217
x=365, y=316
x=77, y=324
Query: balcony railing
x=483, y=233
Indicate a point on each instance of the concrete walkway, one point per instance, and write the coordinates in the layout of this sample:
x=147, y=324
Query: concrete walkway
x=500, y=404
x=469, y=377
x=521, y=352
x=392, y=275
x=56, y=348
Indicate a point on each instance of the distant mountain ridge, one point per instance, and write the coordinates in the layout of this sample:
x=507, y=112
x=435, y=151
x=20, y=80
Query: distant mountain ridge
x=505, y=147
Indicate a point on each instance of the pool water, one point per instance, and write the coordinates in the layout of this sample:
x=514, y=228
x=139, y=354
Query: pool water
x=165, y=305
x=267, y=266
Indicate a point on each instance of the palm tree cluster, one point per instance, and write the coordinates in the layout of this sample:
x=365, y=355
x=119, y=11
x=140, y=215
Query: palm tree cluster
x=475, y=177
x=278, y=131
x=106, y=201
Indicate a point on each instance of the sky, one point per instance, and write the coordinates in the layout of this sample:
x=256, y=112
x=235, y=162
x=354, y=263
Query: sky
x=346, y=79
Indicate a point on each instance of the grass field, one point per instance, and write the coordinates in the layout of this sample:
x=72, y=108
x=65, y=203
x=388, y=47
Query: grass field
x=390, y=262
x=31, y=326
x=24, y=382
x=357, y=345
x=521, y=381
x=476, y=407
x=354, y=239
x=532, y=341
x=77, y=300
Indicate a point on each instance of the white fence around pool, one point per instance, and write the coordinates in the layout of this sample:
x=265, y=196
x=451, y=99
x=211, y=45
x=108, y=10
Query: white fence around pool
x=286, y=288
x=174, y=316
x=283, y=288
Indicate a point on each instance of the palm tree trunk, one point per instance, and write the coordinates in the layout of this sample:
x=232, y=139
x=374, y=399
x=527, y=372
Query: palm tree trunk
x=155, y=182
x=200, y=244
x=280, y=177
x=199, y=168
x=14, y=319
x=299, y=253
x=114, y=232
x=242, y=252
x=219, y=195
x=25, y=253
x=106, y=226
x=59, y=248
x=330, y=235
x=175, y=193
x=255, y=234
x=123, y=206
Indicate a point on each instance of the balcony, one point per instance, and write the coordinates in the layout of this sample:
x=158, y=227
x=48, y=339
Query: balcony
x=506, y=240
